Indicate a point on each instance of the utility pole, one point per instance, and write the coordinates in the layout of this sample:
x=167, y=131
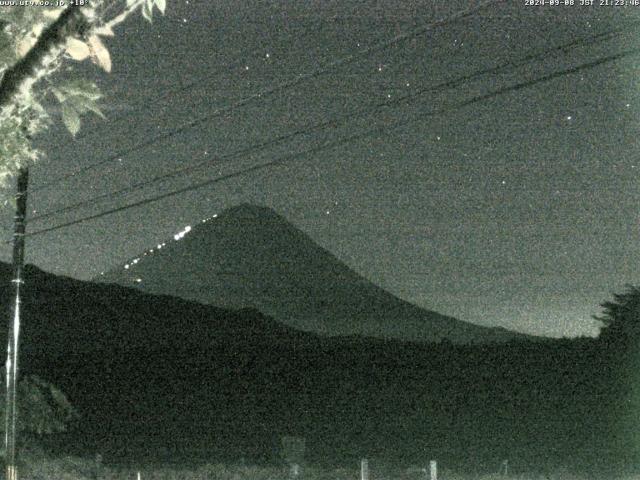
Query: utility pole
x=48, y=47
x=13, y=330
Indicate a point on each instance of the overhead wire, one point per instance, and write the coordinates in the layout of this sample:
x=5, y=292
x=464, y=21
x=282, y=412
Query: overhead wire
x=207, y=80
x=333, y=122
x=351, y=138
x=279, y=87
x=153, y=96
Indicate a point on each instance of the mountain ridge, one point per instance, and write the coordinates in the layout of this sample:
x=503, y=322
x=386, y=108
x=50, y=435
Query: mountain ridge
x=62, y=311
x=146, y=370
x=250, y=256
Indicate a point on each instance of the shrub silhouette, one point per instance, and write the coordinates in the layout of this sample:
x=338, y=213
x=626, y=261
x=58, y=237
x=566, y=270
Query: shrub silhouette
x=42, y=407
x=621, y=319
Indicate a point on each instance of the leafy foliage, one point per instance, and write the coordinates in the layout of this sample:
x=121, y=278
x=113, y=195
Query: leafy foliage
x=15, y=147
x=76, y=98
x=147, y=7
x=20, y=28
x=621, y=318
x=44, y=409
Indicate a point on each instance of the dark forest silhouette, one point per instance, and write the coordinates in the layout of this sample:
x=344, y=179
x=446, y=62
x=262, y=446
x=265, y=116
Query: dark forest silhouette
x=153, y=374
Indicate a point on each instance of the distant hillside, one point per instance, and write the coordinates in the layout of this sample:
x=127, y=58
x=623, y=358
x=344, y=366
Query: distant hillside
x=139, y=366
x=164, y=379
x=67, y=315
x=251, y=256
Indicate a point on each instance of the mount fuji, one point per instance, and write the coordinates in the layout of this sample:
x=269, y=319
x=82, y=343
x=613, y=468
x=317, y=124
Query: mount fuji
x=249, y=256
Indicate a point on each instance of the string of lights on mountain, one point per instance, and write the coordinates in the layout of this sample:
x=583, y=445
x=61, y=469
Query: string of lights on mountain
x=482, y=166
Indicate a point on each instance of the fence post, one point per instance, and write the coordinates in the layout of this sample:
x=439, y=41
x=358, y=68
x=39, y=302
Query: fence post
x=505, y=468
x=364, y=469
x=433, y=470
x=98, y=466
x=292, y=451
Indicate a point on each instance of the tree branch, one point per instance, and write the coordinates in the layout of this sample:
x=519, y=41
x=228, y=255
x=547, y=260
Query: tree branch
x=46, y=49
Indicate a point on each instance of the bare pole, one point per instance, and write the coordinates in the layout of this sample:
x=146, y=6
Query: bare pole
x=13, y=330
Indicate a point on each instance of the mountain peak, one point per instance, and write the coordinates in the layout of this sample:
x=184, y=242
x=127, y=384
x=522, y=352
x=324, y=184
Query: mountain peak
x=251, y=208
x=248, y=212
x=250, y=256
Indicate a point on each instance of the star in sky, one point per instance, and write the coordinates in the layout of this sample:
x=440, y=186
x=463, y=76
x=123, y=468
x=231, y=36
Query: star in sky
x=444, y=184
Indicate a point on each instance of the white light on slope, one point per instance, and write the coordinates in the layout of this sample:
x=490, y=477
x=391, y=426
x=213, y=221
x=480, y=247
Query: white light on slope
x=181, y=234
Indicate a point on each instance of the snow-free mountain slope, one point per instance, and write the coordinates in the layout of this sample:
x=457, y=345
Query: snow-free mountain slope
x=249, y=256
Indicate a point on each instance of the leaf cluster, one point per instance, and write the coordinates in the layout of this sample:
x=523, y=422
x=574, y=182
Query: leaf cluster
x=621, y=318
x=76, y=98
x=20, y=28
x=15, y=147
x=43, y=407
x=147, y=7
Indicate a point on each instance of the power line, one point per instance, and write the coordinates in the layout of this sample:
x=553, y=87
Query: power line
x=334, y=121
x=208, y=80
x=348, y=139
x=280, y=87
x=200, y=81
x=451, y=83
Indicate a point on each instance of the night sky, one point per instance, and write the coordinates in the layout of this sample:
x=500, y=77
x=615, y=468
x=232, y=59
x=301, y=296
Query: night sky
x=520, y=210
